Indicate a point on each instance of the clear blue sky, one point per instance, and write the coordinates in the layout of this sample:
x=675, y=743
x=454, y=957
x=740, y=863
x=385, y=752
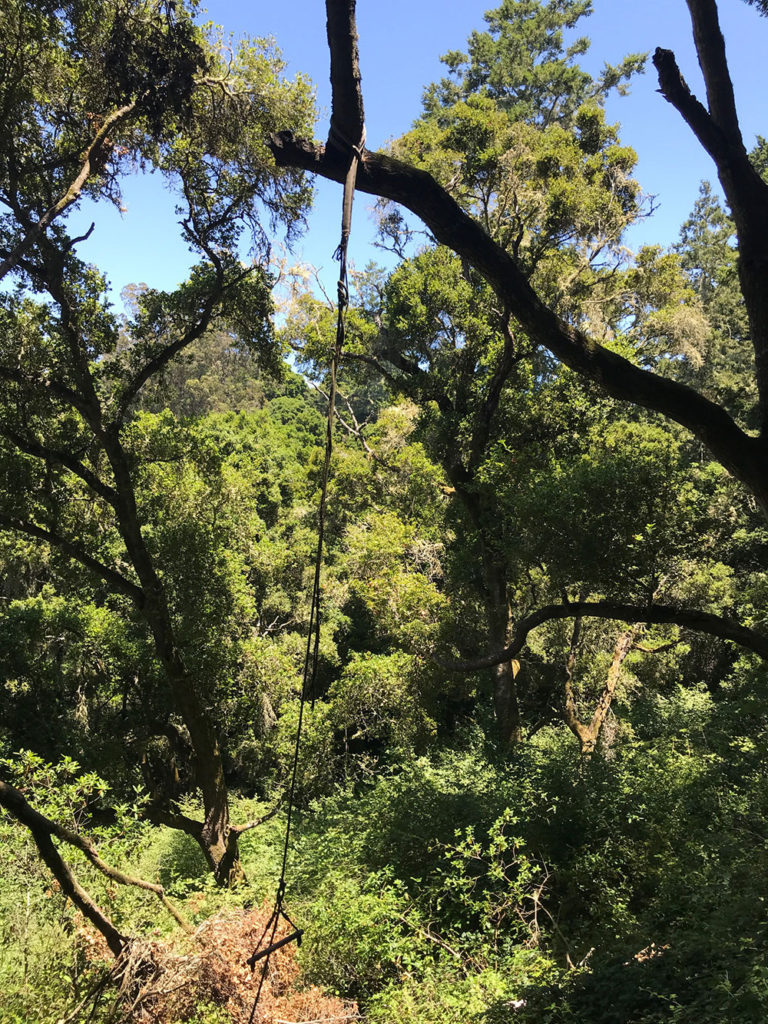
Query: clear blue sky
x=400, y=45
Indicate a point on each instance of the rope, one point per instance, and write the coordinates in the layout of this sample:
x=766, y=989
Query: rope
x=311, y=654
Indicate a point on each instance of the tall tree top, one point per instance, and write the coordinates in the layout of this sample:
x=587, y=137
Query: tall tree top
x=523, y=63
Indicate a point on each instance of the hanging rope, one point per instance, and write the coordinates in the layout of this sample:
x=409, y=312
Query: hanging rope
x=311, y=655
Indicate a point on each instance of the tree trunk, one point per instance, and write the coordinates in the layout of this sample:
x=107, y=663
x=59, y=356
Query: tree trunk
x=504, y=675
x=589, y=734
x=219, y=847
x=506, y=704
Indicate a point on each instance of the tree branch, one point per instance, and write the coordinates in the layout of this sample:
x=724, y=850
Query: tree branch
x=674, y=89
x=73, y=551
x=490, y=404
x=165, y=355
x=42, y=829
x=238, y=830
x=58, y=389
x=347, y=116
x=31, y=447
x=172, y=819
x=624, y=645
x=710, y=48
x=14, y=799
x=686, y=618
x=353, y=429
x=94, y=156
x=121, y=876
x=718, y=131
x=744, y=456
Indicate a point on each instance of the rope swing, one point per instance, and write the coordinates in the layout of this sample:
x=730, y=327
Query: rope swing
x=309, y=675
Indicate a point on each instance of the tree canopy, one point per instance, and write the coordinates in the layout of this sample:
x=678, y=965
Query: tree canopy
x=531, y=778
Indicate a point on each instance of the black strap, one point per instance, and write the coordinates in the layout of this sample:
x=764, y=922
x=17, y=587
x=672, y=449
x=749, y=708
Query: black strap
x=309, y=675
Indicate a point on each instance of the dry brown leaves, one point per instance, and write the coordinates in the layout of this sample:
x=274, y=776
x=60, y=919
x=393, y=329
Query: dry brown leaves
x=166, y=983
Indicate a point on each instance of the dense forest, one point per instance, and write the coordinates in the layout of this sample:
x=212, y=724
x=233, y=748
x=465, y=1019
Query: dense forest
x=531, y=775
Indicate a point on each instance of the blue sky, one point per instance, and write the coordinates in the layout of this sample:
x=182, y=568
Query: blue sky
x=400, y=45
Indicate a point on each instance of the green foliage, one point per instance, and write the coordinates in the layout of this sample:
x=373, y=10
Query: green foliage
x=635, y=873
x=442, y=875
x=709, y=257
x=441, y=997
x=521, y=62
x=35, y=937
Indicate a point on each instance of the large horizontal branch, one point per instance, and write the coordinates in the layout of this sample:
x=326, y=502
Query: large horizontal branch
x=687, y=618
x=111, y=576
x=744, y=456
x=172, y=819
x=30, y=446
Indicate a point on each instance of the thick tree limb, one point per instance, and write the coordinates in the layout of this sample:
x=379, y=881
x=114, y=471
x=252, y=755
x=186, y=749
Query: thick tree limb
x=73, y=551
x=30, y=446
x=15, y=802
x=172, y=819
x=710, y=48
x=675, y=90
x=42, y=829
x=744, y=456
x=238, y=830
x=686, y=618
x=347, y=117
x=12, y=375
x=717, y=129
